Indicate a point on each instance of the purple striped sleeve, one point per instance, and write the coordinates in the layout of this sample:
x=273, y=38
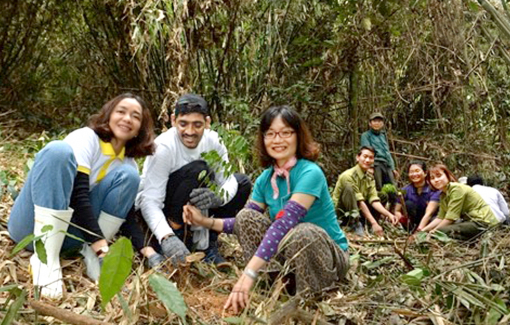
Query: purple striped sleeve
x=291, y=214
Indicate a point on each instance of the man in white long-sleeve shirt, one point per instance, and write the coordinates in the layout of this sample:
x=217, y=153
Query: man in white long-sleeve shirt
x=173, y=177
x=491, y=196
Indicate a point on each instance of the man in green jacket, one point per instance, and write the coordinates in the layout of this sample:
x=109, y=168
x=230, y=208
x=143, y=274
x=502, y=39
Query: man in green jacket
x=355, y=190
x=384, y=165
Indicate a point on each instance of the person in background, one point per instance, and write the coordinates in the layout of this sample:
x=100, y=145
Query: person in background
x=421, y=201
x=375, y=137
x=355, y=190
x=302, y=230
x=492, y=196
x=458, y=202
x=90, y=179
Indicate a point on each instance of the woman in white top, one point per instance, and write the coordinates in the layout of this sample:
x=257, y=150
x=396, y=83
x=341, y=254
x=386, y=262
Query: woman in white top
x=90, y=180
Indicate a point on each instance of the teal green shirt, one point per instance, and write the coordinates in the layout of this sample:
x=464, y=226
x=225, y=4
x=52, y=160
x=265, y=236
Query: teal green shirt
x=305, y=177
x=379, y=141
x=462, y=201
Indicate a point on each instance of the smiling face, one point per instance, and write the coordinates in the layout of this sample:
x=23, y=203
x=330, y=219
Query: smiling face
x=125, y=120
x=416, y=175
x=280, y=141
x=439, y=180
x=365, y=159
x=377, y=124
x=190, y=128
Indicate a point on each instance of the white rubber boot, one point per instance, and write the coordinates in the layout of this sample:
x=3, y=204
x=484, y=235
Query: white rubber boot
x=49, y=276
x=109, y=225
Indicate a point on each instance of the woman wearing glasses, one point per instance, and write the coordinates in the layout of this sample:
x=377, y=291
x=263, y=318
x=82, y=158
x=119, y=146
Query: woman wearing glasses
x=302, y=230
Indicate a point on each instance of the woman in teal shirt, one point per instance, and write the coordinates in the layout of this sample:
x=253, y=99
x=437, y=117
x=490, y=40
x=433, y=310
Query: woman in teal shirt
x=302, y=230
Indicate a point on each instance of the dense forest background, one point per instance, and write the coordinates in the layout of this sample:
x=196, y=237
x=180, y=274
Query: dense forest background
x=437, y=69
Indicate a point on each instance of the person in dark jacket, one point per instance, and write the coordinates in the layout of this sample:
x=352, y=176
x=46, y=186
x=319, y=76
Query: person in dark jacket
x=384, y=165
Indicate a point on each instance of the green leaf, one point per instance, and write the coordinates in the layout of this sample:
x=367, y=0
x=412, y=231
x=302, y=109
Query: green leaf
x=115, y=270
x=8, y=287
x=168, y=293
x=441, y=236
x=372, y=265
x=30, y=163
x=41, y=251
x=389, y=189
x=12, y=191
x=22, y=244
x=46, y=228
x=413, y=278
x=473, y=6
x=10, y=316
x=201, y=175
x=421, y=237
x=125, y=306
x=233, y=320
x=73, y=236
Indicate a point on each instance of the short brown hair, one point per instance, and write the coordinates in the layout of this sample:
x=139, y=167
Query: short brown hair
x=306, y=147
x=440, y=168
x=140, y=146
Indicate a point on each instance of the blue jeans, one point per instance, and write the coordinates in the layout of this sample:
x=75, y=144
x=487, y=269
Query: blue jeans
x=50, y=184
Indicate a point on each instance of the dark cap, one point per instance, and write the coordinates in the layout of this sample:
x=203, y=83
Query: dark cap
x=375, y=115
x=191, y=103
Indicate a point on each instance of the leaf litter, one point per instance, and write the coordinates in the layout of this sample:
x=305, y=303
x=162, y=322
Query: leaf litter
x=449, y=283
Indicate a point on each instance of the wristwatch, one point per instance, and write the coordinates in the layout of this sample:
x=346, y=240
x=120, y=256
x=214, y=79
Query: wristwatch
x=102, y=250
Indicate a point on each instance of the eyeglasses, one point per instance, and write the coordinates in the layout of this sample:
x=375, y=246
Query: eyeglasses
x=283, y=134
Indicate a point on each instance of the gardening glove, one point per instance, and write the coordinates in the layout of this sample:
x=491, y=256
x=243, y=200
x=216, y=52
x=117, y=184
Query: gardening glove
x=92, y=262
x=174, y=249
x=155, y=260
x=204, y=199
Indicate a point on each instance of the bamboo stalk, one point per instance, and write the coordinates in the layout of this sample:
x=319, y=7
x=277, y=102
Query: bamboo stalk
x=64, y=315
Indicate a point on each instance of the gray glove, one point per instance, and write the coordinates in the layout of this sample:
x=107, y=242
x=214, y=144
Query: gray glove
x=204, y=199
x=155, y=260
x=174, y=249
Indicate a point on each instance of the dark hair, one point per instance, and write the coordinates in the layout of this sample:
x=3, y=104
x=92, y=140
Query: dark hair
x=369, y=148
x=191, y=103
x=475, y=180
x=440, y=168
x=420, y=163
x=306, y=147
x=140, y=146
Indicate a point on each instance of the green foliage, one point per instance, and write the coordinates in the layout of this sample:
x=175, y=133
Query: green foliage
x=31, y=238
x=375, y=264
x=238, y=148
x=7, y=185
x=414, y=277
x=168, y=293
x=389, y=189
x=335, y=62
x=12, y=311
x=41, y=251
x=115, y=270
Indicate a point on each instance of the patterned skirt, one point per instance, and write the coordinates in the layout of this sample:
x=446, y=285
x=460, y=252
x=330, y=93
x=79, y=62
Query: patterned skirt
x=307, y=251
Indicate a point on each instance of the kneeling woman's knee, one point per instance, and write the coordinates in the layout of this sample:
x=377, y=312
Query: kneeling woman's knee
x=129, y=175
x=57, y=152
x=304, y=235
